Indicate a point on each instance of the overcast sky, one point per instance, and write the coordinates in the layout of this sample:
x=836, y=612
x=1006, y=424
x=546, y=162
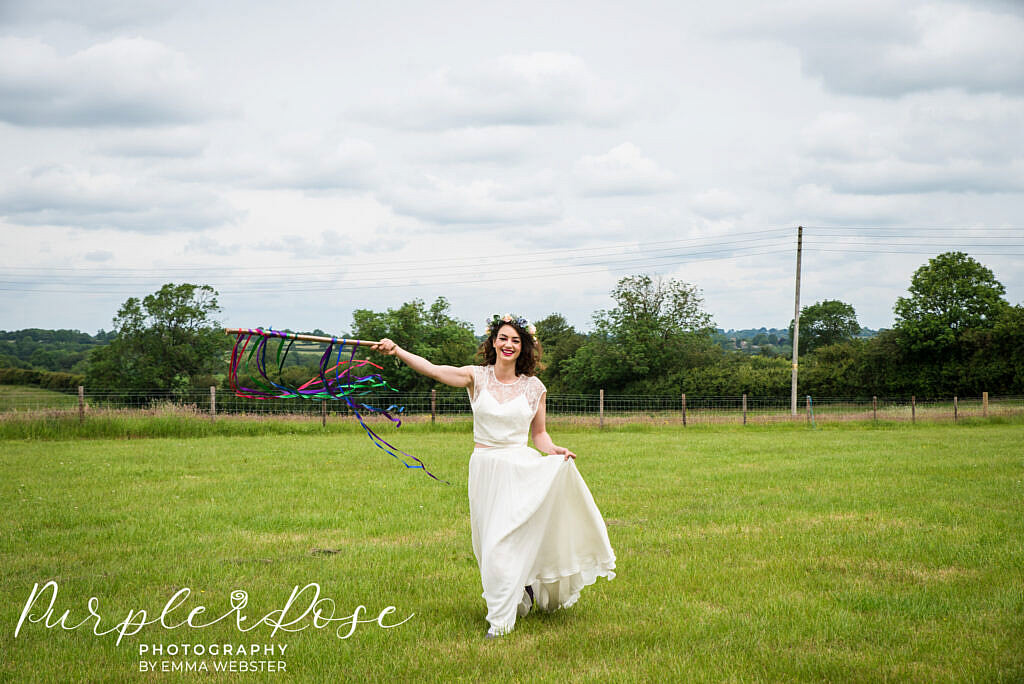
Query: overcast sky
x=310, y=158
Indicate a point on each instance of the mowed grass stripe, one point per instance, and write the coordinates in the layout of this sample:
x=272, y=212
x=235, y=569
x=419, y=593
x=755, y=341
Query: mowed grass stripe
x=850, y=553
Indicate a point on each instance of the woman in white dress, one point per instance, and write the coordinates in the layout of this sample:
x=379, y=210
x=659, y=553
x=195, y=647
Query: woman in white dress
x=537, y=533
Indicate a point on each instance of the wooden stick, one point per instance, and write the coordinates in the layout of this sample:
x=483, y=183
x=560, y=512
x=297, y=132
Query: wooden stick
x=297, y=336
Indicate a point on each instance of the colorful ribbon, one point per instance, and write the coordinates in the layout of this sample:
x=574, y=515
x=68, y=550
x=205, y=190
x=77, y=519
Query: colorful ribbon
x=337, y=382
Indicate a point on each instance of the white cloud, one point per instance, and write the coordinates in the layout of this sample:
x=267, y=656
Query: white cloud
x=68, y=196
x=923, y=144
x=286, y=225
x=985, y=127
x=170, y=142
x=717, y=203
x=315, y=162
x=845, y=136
x=957, y=46
x=103, y=15
x=121, y=82
x=821, y=205
x=572, y=231
x=536, y=89
x=623, y=170
x=462, y=205
x=312, y=161
x=479, y=145
x=884, y=49
x=202, y=245
x=896, y=177
x=99, y=256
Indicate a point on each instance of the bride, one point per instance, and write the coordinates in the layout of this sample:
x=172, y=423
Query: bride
x=537, y=533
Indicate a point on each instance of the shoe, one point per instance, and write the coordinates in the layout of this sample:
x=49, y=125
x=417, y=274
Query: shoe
x=490, y=635
x=526, y=604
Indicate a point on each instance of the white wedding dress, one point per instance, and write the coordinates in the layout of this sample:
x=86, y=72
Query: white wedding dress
x=533, y=519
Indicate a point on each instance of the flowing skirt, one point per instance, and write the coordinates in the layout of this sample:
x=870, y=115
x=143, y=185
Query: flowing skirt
x=534, y=522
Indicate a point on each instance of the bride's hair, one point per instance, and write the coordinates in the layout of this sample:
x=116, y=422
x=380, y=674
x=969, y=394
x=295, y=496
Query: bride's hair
x=529, y=353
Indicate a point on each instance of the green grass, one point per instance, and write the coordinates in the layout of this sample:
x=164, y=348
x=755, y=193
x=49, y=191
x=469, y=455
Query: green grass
x=847, y=553
x=21, y=397
x=168, y=421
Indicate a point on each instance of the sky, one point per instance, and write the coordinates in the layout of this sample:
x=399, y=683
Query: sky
x=307, y=159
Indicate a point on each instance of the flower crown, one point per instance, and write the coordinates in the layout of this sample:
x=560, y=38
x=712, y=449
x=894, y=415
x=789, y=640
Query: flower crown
x=498, y=320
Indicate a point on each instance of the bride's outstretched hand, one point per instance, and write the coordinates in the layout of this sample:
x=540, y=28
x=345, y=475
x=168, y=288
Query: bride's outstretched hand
x=565, y=452
x=386, y=346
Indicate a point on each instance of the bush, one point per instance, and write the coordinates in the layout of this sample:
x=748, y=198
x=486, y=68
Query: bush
x=38, y=378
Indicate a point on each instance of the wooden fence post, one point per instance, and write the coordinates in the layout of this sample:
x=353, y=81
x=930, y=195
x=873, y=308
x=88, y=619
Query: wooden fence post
x=874, y=407
x=323, y=414
x=600, y=409
x=81, y=404
x=433, y=406
x=956, y=407
x=684, y=409
x=808, y=409
x=913, y=408
x=984, y=404
x=744, y=409
x=213, y=402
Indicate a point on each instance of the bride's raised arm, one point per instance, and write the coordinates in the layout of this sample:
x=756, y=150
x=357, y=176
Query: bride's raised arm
x=454, y=376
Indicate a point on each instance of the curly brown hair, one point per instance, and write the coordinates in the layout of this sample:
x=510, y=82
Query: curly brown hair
x=529, y=354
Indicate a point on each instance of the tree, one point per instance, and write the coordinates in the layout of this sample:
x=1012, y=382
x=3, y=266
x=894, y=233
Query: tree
x=560, y=342
x=655, y=308
x=167, y=341
x=954, y=334
x=643, y=342
x=429, y=332
x=949, y=294
x=827, y=322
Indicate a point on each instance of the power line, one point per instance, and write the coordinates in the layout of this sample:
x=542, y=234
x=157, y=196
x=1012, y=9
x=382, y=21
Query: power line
x=712, y=240
x=918, y=251
x=912, y=227
x=533, y=266
x=474, y=265
x=539, y=264
x=335, y=285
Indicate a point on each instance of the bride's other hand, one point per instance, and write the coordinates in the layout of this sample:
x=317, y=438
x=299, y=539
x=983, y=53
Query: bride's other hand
x=565, y=452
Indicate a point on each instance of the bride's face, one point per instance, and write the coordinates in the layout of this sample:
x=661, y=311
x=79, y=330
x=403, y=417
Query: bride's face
x=507, y=344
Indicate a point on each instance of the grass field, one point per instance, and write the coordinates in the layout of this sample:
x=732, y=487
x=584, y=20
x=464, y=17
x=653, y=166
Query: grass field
x=848, y=553
x=13, y=397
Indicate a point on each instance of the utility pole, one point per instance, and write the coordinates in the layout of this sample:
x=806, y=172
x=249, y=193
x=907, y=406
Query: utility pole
x=796, y=316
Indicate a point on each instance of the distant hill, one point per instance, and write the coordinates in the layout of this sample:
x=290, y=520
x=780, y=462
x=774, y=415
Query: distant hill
x=767, y=341
x=763, y=341
x=63, y=351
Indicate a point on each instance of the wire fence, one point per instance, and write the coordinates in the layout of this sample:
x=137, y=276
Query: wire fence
x=600, y=409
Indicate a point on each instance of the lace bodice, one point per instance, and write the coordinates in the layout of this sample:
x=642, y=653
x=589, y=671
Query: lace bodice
x=502, y=412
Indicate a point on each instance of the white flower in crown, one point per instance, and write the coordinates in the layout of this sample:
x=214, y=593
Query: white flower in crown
x=507, y=318
x=532, y=329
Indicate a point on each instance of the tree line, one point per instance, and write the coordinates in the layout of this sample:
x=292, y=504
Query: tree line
x=954, y=333
x=64, y=351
